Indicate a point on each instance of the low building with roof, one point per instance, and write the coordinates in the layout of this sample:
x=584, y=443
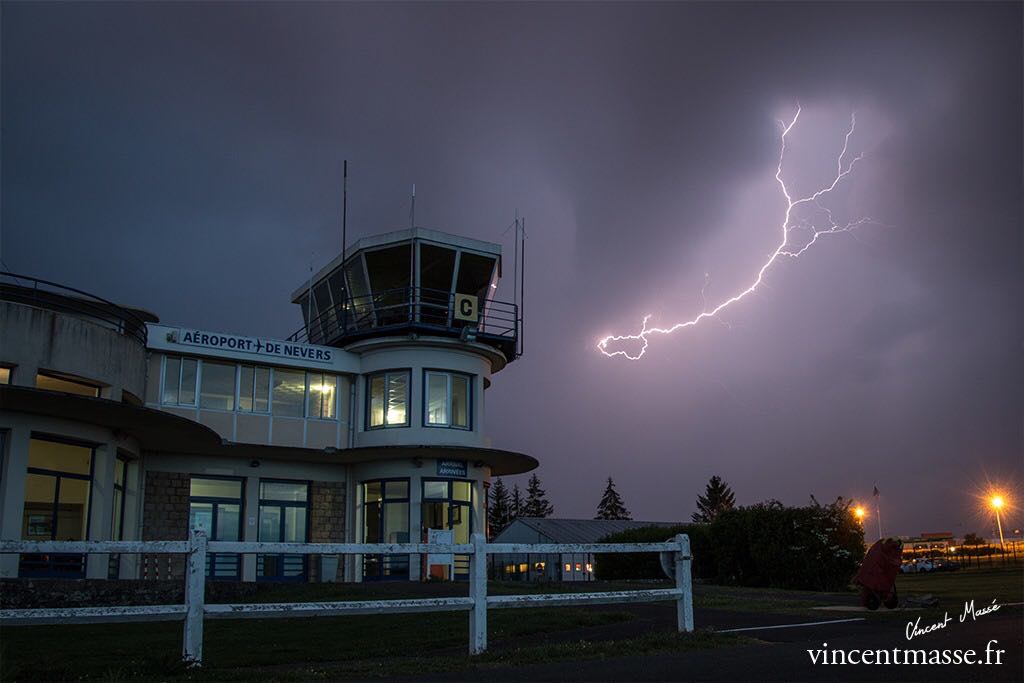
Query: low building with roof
x=556, y=567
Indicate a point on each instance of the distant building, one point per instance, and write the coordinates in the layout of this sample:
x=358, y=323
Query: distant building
x=556, y=567
x=366, y=425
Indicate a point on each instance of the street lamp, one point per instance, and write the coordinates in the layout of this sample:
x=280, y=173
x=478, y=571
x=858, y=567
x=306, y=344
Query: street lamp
x=858, y=512
x=997, y=503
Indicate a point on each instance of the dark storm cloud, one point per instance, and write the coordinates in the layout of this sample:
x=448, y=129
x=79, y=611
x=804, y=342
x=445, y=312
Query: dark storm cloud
x=187, y=158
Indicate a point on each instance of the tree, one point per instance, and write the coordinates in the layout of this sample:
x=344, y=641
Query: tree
x=973, y=539
x=717, y=498
x=516, y=506
x=537, y=504
x=499, y=516
x=611, y=505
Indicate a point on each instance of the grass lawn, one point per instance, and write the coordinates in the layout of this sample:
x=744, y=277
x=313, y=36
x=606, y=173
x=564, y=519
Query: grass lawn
x=355, y=647
x=1004, y=583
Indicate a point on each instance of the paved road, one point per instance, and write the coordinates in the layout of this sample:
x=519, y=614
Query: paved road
x=783, y=655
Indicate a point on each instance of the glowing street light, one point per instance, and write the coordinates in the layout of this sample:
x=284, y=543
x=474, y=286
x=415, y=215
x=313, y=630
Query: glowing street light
x=859, y=513
x=997, y=504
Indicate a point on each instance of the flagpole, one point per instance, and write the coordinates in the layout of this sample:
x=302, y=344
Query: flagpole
x=878, y=511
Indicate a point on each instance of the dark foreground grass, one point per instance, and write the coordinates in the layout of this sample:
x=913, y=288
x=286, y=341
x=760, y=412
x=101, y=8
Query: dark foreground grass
x=1003, y=583
x=356, y=647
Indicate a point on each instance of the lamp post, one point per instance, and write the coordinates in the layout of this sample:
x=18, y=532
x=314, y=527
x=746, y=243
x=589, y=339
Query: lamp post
x=858, y=512
x=997, y=503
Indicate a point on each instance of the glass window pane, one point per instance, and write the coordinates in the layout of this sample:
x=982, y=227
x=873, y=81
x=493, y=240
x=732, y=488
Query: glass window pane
x=396, y=489
x=67, y=386
x=437, y=398
x=475, y=273
x=200, y=516
x=371, y=492
x=218, y=386
x=229, y=522
x=435, y=489
x=398, y=399
x=270, y=523
x=289, y=392
x=40, y=491
x=118, y=516
x=187, y=394
x=172, y=376
x=436, y=266
x=371, y=522
x=246, y=374
x=396, y=523
x=294, y=525
x=462, y=490
x=5, y=375
x=388, y=268
x=460, y=401
x=59, y=457
x=322, y=390
x=261, y=391
x=283, y=490
x=120, y=468
x=377, y=401
x=72, y=509
x=215, y=488
x=329, y=394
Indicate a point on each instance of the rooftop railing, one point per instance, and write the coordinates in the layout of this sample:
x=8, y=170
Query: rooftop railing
x=33, y=291
x=417, y=309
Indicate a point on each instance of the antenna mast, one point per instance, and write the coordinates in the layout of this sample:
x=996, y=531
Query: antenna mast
x=344, y=210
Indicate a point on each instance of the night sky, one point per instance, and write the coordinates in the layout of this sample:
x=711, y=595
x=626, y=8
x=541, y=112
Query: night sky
x=187, y=159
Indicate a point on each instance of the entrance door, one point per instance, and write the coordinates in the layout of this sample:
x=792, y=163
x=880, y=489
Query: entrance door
x=215, y=506
x=448, y=505
x=284, y=510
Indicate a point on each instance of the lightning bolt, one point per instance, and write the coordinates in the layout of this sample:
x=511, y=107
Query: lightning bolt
x=826, y=225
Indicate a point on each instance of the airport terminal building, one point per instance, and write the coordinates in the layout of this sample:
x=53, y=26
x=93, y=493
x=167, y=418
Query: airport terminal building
x=366, y=425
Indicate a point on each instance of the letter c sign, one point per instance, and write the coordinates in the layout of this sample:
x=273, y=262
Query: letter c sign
x=466, y=307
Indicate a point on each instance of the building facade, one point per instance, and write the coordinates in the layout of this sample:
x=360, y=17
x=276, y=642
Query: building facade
x=366, y=425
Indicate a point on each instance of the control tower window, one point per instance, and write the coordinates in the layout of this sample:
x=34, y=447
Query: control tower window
x=447, y=399
x=475, y=273
x=388, y=399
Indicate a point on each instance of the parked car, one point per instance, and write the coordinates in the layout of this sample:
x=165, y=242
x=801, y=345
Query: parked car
x=921, y=564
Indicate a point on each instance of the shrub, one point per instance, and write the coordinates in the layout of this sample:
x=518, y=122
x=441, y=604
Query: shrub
x=817, y=547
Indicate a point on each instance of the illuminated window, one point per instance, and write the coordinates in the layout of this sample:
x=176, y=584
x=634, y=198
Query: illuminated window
x=590, y=567
x=538, y=567
x=66, y=385
x=58, y=485
x=579, y=567
x=568, y=567
x=289, y=393
x=254, y=389
x=446, y=399
x=179, y=381
x=5, y=375
x=323, y=399
x=218, y=386
x=387, y=395
x=522, y=568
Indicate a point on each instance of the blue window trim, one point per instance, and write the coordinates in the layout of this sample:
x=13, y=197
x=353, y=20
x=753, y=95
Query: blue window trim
x=469, y=400
x=380, y=520
x=216, y=501
x=408, y=399
x=274, y=502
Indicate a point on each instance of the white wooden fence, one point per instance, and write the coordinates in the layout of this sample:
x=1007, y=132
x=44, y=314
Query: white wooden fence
x=195, y=609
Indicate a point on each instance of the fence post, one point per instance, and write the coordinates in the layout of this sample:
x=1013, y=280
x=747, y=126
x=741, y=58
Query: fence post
x=684, y=603
x=478, y=591
x=195, y=588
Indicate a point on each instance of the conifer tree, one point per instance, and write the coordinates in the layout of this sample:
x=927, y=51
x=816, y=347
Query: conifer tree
x=499, y=516
x=717, y=498
x=611, y=505
x=516, y=506
x=537, y=504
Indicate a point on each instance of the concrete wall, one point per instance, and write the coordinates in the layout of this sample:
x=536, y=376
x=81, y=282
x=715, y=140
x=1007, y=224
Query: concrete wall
x=34, y=339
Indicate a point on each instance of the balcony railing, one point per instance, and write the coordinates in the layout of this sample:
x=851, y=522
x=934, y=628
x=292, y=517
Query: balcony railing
x=51, y=296
x=416, y=309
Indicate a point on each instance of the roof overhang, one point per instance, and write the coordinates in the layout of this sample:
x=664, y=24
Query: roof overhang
x=158, y=431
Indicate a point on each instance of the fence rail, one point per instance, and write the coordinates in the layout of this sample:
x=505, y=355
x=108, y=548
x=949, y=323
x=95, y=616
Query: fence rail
x=195, y=610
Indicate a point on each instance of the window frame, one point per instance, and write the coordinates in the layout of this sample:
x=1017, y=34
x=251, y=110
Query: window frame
x=309, y=396
x=181, y=370
x=383, y=560
x=281, y=504
x=239, y=366
x=70, y=379
x=216, y=501
x=449, y=384
x=386, y=374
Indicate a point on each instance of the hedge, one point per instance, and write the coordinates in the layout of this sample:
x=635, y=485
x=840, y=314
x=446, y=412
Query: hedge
x=818, y=547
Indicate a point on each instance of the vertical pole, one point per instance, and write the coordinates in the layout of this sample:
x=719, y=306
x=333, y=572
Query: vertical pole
x=195, y=587
x=684, y=583
x=478, y=591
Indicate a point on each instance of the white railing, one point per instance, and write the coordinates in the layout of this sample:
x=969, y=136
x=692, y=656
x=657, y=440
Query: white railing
x=195, y=609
